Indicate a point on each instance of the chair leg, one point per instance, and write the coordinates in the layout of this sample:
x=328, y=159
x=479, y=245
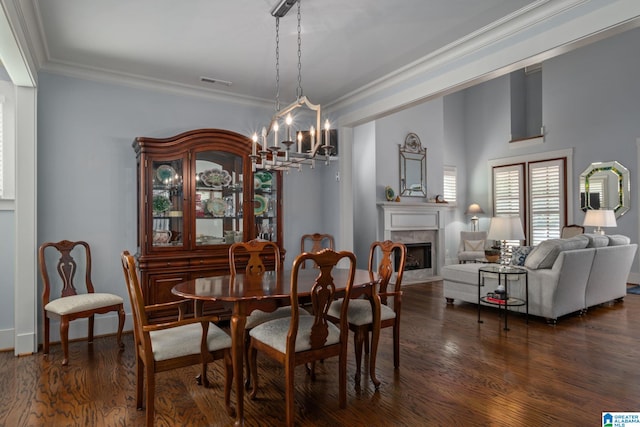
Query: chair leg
x=289, y=393
x=204, y=379
x=92, y=319
x=139, y=382
x=228, y=383
x=64, y=339
x=396, y=344
x=45, y=343
x=247, y=382
x=121, y=318
x=151, y=389
x=358, y=342
x=253, y=356
x=366, y=342
x=342, y=378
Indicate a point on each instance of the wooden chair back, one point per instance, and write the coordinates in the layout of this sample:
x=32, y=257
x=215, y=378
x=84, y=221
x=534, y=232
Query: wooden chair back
x=385, y=252
x=140, y=319
x=322, y=295
x=258, y=251
x=571, y=230
x=74, y=257
x=316, y=242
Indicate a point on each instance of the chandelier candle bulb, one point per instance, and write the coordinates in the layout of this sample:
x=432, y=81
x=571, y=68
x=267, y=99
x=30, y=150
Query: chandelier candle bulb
x=275, y=133
x=327, y=126
x=312, y=133
x=288, y=121
x=299, y=142
x=254, y=145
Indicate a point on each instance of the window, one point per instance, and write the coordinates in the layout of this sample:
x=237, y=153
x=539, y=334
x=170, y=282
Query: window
x=7, y=144
x=546, y=186
x=1, y=144
x=536, y=191
x=450, y=184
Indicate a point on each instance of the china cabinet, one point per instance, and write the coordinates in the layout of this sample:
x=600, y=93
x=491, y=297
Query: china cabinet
x=197, y=194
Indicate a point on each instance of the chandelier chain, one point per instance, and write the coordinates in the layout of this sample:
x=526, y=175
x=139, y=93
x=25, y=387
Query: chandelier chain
x=299, y=89
x=277, y=64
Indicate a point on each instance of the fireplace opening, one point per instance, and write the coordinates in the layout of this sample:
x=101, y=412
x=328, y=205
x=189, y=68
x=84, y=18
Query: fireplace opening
x=418, y=256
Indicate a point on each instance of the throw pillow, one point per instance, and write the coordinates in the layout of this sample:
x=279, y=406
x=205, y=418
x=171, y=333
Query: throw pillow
x=543, y=255
x=474, y=245
x=519, y=254
x=618, y=240
x=597, y=240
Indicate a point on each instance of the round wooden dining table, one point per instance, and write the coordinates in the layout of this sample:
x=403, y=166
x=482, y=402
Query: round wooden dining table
x=271, y=291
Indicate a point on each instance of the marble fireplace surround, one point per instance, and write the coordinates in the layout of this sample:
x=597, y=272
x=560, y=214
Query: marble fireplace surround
x=415, y=223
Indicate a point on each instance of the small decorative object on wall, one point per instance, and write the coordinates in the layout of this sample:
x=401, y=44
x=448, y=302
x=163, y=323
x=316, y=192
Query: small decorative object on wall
x=389, y=193
x=413, y=167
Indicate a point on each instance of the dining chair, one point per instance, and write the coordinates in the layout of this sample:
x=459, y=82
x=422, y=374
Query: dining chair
x=73, y=258
x=316, y=242
x=258, y=251
x=172, y=344
x=304, y=339
x=571, y=230
x=360, y=315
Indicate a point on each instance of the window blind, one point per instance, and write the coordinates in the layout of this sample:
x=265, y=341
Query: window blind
x=546, y=188
x=450, y=185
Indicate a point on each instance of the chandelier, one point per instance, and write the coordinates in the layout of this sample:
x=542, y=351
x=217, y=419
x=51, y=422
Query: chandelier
x=282, y=145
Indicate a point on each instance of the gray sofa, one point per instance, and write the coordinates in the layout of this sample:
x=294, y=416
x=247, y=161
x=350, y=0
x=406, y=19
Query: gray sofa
x=565, y=275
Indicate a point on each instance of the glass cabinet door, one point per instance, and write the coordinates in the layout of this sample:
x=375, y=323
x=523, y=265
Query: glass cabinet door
x=218, y=198
x=265, y=202
x=167, y=203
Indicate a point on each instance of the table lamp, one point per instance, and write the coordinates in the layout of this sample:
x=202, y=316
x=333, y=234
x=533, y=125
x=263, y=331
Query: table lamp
x=505, y=228
x=474, y=209
x=600, y=218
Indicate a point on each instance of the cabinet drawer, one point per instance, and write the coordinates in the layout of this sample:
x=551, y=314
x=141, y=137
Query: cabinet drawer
x=153, y=264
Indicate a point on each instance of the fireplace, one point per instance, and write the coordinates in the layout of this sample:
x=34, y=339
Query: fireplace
x=420, y=226
x=418, y=256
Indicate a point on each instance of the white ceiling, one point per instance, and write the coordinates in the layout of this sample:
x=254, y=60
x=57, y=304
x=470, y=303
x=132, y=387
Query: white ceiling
x=346, y=44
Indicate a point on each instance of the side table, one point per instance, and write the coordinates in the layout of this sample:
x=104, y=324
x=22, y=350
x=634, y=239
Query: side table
x=503, y=272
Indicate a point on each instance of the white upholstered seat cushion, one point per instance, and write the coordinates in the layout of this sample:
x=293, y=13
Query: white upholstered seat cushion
x=359, y=312
x=81, y=302
x=274, y=333
x=185, y=340
x=258, y=317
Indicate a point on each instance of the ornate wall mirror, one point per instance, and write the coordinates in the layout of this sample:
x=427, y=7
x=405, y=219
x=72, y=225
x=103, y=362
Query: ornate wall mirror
x=605, y=185
x=413, y=167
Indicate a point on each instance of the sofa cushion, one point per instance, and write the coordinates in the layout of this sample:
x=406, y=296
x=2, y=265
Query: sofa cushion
x=519, y=254
x=597, y=240
x=618, y=240
x=545, y=254
x=474, y=245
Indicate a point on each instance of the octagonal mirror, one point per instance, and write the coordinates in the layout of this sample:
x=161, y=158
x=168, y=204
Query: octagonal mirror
x=605, y=185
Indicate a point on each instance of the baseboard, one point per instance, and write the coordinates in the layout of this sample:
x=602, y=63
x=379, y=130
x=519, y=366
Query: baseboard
x=634, y=278
x=104, y=324
x=7, y=339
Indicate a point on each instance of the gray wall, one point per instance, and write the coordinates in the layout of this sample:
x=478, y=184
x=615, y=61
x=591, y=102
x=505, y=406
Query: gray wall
x=87, y=167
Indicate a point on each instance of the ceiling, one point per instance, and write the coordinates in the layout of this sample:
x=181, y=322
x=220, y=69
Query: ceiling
x=346, y=45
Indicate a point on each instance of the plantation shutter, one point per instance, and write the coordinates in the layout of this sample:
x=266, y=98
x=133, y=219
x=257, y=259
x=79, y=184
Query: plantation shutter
x=508, y=197
x=1, y=146
x=546, y=195
x=508, y=194
x=450, y=184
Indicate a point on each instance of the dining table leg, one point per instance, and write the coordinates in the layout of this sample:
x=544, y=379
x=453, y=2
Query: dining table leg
x=375, y=337
x=238, y=322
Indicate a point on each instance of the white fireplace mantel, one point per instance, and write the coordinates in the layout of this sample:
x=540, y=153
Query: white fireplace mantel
x=401, y=218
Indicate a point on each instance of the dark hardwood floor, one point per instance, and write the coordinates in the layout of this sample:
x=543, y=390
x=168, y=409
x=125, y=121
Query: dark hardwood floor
x=454, y=372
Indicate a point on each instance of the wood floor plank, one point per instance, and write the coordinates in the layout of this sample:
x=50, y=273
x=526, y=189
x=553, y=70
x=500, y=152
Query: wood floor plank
x=453, y=371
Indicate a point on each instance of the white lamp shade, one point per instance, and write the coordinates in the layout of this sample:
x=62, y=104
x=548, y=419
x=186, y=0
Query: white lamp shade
x=600, y=218
x=474, y=209
x=505, y=228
